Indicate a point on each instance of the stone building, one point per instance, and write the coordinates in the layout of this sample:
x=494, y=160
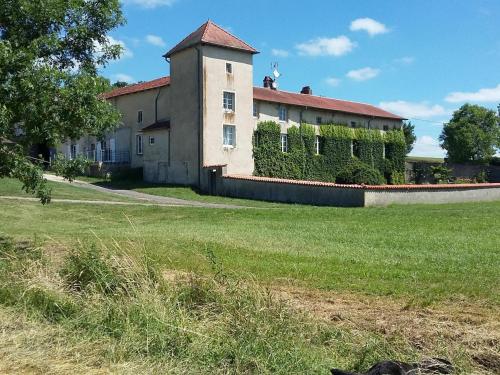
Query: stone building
x=179, y=128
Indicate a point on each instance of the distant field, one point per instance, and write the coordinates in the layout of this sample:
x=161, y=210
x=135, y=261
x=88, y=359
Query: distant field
x=424, y=159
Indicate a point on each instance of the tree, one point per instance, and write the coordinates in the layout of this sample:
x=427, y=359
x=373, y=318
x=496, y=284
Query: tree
x=119, y=84
x=50, y=52
x=473, y=134
x=410, y=137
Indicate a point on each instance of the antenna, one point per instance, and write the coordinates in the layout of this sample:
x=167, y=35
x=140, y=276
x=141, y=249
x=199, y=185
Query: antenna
x=274, y=68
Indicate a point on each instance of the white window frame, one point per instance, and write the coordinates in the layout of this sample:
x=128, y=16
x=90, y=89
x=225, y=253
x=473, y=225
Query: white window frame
x=284, y=142
x=72, y=151
x=228, y=101
x=151, y=140
x=229, y=68
x=317, y=144
x=283, y=110
x=139, y=144
x=140, y=116
x=229, y=136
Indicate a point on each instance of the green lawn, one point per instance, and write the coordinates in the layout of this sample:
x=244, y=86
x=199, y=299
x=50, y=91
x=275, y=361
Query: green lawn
x=12, y=187
x=173, y=191
x=422, y=253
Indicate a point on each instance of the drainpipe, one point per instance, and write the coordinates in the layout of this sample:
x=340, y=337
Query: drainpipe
x=200, y=113
x=156, y=104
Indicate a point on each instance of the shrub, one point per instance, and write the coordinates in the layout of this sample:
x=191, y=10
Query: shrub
x=482, y=176
x=357, y=172
x=69, y=169
x=440, y=174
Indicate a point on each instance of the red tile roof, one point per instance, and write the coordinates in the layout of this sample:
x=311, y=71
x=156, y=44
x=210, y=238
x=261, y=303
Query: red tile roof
x=143, y=86
x=364, y=187
x=275, y=96
x=319, y=102
x=210, y=33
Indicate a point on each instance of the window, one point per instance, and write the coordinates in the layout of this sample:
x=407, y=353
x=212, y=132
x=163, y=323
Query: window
x=319, y=120
x=229, y=136
x=317, y=145
x=284, y=142
x=353, y=124
x=229, y=68
x=228, y=101
x=386, y=127
x=138, y=144
x=72, y=152
x=283, y=113
x=151, y=140
x=139, y=117
x=255, y=109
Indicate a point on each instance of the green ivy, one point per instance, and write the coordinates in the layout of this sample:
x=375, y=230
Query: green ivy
x=336, y=152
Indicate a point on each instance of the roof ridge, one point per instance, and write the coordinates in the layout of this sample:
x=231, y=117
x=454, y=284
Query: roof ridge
x=320, y=97
x=206, y=24
x=188, y=36
x=234, y=36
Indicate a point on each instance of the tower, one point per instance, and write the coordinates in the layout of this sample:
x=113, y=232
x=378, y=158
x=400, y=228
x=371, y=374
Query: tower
x=212, y=96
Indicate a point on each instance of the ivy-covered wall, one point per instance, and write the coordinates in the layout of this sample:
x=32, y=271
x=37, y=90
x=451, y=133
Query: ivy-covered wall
x=338, y=145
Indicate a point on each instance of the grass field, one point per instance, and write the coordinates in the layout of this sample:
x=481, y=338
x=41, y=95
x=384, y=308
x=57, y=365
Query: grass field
x=12, y=187
x=429, y=273
x=172, y=191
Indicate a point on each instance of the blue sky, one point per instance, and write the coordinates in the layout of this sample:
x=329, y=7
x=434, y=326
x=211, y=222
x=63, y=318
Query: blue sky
x=421, y=59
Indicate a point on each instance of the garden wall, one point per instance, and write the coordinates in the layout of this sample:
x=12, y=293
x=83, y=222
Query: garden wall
x=330, y=194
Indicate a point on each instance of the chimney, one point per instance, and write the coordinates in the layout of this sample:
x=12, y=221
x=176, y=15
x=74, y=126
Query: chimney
x=306, y=90
x=268, y=82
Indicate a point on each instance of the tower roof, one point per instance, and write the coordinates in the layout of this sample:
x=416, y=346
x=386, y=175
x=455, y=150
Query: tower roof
x=211, y=34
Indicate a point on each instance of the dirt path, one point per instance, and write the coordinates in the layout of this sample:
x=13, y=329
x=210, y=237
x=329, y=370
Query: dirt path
x=152, y=199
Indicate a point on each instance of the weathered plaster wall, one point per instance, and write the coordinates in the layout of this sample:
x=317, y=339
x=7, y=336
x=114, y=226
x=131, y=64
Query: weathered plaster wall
x=216, y=81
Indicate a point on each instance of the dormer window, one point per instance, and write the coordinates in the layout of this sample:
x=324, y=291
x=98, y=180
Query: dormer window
x=229, y=68
x=228, y=101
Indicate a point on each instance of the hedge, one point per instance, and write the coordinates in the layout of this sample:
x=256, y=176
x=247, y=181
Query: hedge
x=339, y=146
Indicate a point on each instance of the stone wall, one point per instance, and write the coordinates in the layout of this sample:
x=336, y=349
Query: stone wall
x=329, y=194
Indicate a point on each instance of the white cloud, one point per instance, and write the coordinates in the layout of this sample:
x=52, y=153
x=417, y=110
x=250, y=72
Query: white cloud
x=280, y=52
x=427, y=146
x=483, y=95
x=149, y=4
x=414, y=109
x=326, y=46
x=123, y=78
x=155, y=40
x=406, y=60
x=363, y=74
x=125, y=53
x=333, y=81
x=369, y=25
